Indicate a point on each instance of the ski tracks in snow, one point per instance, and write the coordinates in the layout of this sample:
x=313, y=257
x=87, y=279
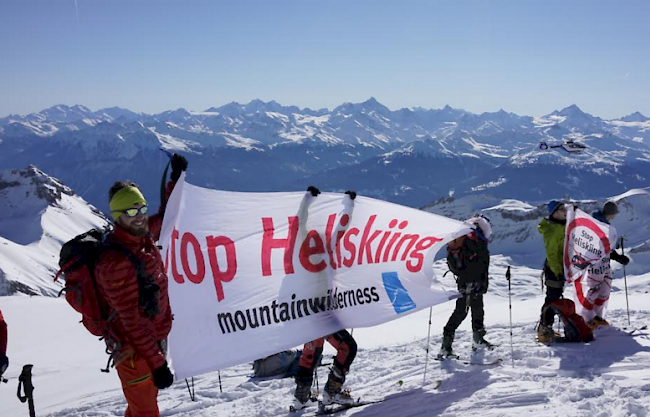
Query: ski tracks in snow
x=606, y=378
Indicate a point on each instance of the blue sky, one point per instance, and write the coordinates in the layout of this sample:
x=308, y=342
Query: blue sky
x=528, y=57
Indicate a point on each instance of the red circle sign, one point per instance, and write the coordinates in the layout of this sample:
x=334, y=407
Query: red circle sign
x=588, y=223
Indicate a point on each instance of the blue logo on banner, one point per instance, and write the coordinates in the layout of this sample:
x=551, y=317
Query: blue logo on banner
x=397, y=294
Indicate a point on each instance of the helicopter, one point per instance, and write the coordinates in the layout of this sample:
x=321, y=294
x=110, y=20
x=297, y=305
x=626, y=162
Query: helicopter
x=569, y=146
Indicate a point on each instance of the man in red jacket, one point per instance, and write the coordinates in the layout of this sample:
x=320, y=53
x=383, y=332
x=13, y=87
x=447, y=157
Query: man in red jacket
x=138, y=295
x=4, y=361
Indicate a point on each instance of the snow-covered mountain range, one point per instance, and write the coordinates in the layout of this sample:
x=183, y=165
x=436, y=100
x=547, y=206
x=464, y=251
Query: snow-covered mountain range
x=37, y=215
x=409, y=156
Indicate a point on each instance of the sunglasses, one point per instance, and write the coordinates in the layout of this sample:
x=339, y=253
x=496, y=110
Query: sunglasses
x=132, y=212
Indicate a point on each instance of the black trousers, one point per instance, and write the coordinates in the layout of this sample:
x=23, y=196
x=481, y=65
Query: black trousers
x=463, y=304
x=554, y=291
x=552, y=294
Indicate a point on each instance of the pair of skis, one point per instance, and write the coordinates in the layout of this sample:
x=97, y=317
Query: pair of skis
x=337, y=408
x=635, y=331
x=469, y=362
x=332, y=408
x=440, y=357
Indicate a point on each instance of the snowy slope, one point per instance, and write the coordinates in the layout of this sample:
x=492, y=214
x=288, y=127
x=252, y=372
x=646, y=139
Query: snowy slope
x=37, y=214
x=607, y=377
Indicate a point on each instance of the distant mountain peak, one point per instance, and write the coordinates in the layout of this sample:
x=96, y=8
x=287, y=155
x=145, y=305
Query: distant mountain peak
x=367, y=106
x=571, y=110
x=45, y=187
x=371, y=101
x=635, y=117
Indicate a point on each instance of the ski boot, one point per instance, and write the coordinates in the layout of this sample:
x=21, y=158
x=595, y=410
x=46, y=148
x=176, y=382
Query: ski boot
x=596, y=322
x=545, y=334
x=445, y=349
x=333, y=394
x=480, y=342
x=302, y=397
x=299, y=405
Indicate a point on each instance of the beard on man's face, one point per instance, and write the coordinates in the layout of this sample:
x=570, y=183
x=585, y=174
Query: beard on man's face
x=139, y=231
x=135, y=230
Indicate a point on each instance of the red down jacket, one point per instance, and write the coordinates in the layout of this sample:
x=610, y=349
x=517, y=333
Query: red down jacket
x=118, y=284
x=3, y=335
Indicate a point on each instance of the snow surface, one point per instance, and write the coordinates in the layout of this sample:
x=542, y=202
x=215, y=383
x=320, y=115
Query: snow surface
x=37, y=215
x=608, y=377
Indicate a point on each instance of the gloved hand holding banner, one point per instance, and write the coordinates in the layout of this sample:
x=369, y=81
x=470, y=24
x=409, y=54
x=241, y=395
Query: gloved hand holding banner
x=252, y=274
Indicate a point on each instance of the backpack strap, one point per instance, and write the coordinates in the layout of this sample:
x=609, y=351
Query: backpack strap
x=147, y=289
x=138, y=264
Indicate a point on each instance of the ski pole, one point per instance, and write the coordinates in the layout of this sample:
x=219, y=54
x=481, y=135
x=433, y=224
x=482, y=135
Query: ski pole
x=512, y=349
x=627, y=301
x=192, y=397
x=25, y=382
x=220, y=388
x=426, y=359
x=316, y=378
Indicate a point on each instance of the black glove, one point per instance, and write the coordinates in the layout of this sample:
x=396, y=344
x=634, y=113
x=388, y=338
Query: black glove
x=621, y=259
x=179, y=164
x=4, y=363
x=481, y=287
x=163, y=377
x=313, y=190
x=352, y=194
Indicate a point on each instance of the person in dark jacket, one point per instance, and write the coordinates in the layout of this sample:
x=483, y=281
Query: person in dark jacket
x=143, y=316
x=468, y=259
x=606, y=215
x=552, y=228
x=4, y=360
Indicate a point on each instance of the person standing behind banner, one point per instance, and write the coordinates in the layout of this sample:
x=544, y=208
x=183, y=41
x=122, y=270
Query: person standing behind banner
x=552, y=229
x=346, y=350
x=468, y=259
x=4, y=360
x=601, y=290
x=139, y=299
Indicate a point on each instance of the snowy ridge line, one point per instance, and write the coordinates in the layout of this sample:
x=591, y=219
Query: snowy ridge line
x=229, y=322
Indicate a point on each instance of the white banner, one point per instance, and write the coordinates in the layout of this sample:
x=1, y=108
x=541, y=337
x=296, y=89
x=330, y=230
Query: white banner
x=587, y=246
x=252, y=274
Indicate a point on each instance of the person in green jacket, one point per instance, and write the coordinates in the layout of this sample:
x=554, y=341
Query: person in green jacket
x=552, y=229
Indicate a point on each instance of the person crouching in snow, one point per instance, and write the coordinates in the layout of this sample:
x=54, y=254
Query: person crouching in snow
x=600, y=288
x=552, y=228
x=468, y=258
